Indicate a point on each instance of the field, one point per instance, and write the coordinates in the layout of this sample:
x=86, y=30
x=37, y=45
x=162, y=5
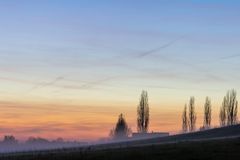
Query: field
x=212, y=149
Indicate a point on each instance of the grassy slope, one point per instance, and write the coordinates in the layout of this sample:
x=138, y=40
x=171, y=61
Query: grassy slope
x=212, y=149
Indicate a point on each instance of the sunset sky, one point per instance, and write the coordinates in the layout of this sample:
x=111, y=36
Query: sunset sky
x=68, y=68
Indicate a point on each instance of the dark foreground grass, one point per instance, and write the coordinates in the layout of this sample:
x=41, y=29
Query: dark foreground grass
x=228, y=149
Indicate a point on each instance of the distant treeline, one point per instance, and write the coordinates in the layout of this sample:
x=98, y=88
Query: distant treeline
x=10, y=140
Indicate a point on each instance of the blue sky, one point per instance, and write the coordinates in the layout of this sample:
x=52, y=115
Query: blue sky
x=71, y=51
x=94, y=34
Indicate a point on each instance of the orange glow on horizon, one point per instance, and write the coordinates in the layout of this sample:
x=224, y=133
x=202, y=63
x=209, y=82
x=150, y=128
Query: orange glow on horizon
x=79, y=122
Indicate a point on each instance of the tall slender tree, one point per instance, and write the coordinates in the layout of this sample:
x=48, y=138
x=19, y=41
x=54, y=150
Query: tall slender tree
x=222, y=114
x=184, y=119
x=235, y=113
x=192, y=115
x=229, y=109
x=207, y=113
x=232, y=105
x=143, y=113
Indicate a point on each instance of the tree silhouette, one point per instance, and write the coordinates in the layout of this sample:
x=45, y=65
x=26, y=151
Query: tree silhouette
x=37, y=140
x=111, y=133
x=207, y=113
x=229, y=109
x=9, y=139
x=222, y=114
x=184, y=119
x=143, y=113
x=232, y=104
x=192, y=115
x=121, y=130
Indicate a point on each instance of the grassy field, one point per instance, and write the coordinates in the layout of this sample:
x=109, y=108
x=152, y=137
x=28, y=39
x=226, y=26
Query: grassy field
x=213, y=149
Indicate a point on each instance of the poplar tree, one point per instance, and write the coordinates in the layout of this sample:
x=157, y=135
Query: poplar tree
x=184, y=119
x=207, y=113
x=192, y=115
x=143, y=113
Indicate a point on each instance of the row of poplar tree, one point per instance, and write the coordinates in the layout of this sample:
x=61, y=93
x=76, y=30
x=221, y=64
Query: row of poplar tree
x=227, y=114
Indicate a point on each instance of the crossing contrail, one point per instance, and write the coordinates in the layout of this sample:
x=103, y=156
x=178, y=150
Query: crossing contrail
x=158, y=48
x=45, y=84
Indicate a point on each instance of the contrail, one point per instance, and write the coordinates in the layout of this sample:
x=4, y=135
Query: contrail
x=91, y=84
x=95, y=83
x=158, y=49
x=87, y=85
x=42, y=85
x=231, y=56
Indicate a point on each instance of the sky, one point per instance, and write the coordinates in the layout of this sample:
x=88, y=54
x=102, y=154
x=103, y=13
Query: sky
x=68, y=68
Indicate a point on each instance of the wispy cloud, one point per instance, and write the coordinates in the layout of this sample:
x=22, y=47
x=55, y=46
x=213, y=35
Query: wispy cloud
x=45, y=84
x=56, y=108
x=14, y=80
x=60, y=129
x=34, y=129
x=183, y=88
x=95, y=83
x=87, y=85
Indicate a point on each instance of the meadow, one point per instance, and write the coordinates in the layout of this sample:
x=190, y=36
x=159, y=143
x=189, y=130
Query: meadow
x=223, y=149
